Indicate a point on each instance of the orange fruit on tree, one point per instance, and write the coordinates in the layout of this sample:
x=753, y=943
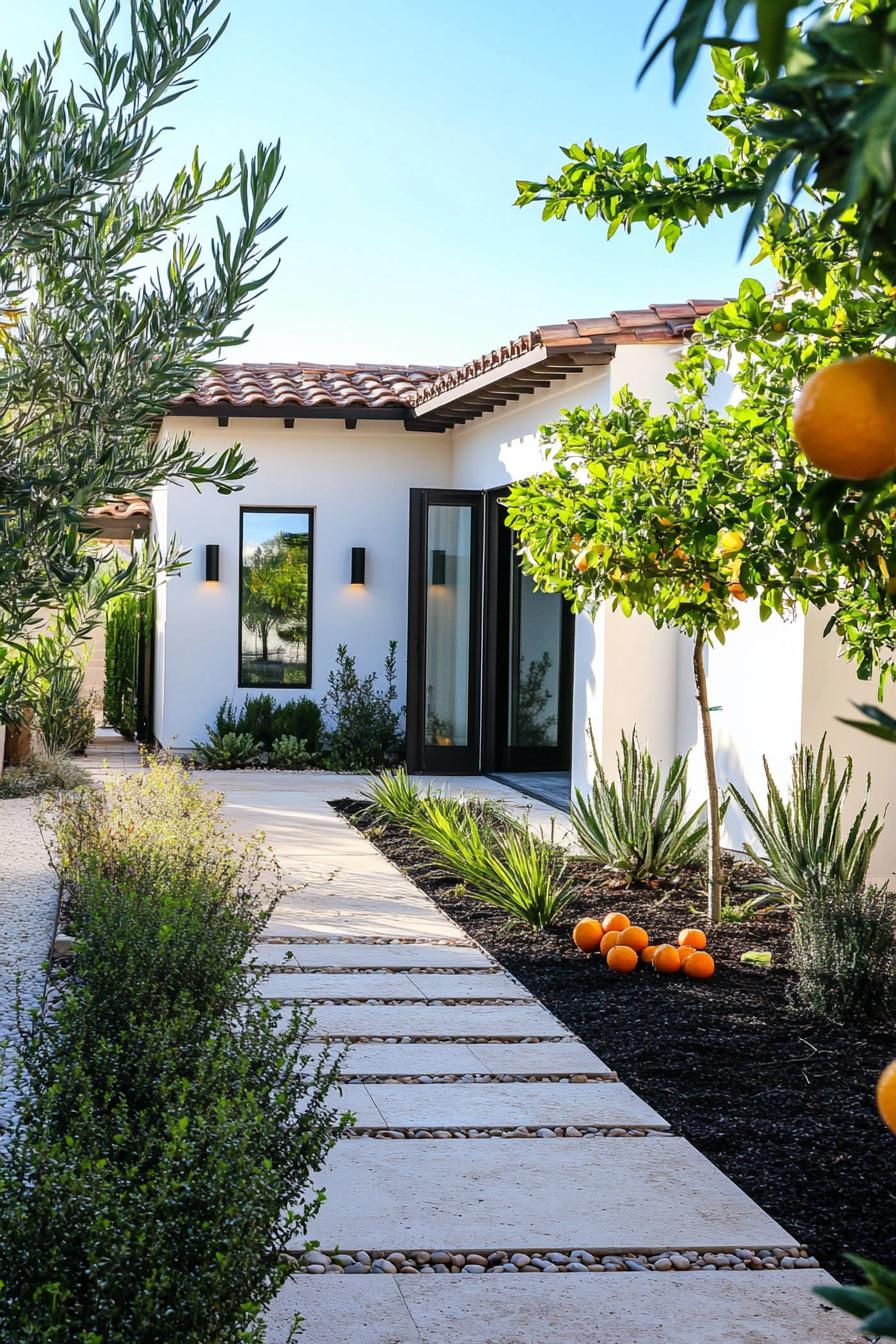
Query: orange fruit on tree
x=587, y=935
x=581, y=562
x=844, y=417
x=699, y=966
x=622, y=959
x=693, y=938
x=615, y=921
x=665, y=959
x=738, y=592
x=635, y=937
x=886, y=1095
x=609, y=940
x=647, y=954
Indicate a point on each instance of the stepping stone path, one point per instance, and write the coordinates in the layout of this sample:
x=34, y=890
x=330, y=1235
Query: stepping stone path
x=499, y=1184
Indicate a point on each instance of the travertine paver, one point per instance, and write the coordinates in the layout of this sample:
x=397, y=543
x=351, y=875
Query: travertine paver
x=472, y=986
x=438, y=1058
x=371, y=956
x=355, y=1098
x=645, y=1195
x=539, y=1057
x=561, y=1309
x=440, y=1105
x=435, y=1021
x=316, y=986
x=332, y=911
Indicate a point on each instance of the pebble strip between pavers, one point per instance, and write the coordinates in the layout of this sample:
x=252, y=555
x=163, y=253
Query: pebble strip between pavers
x=416, y=1056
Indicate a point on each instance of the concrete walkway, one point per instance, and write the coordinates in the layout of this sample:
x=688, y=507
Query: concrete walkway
x=575, y=1215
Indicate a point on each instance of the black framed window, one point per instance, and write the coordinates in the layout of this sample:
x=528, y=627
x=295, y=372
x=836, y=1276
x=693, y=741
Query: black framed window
x=276, y=560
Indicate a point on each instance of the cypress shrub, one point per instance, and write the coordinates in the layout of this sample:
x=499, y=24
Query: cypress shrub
x=123, y=624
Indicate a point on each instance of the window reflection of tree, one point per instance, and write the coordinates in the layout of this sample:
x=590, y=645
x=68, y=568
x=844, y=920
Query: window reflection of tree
x=275, y=592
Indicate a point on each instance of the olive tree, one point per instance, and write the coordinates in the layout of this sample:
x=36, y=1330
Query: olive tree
x=109, y=307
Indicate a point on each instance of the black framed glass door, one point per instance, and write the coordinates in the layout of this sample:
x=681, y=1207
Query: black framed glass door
x=490, y=659
x=529, y=662
x=444, y=631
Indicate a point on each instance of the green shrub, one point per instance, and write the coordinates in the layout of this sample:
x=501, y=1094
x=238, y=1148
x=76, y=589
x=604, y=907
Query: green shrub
x=256, y=720
x=290, y=753
x=800, y=845
x=639, y=826
x=844, y=952
x=41, y=774
x=301, y=718
x=365, y=721
x=265, y=720
x=163, y=1126
x=227, y=751
x=504, y=864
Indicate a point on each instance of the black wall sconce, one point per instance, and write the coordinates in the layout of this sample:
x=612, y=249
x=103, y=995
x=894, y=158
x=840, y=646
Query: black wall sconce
x=212, y=564
x=439, y=567
x=359, y=564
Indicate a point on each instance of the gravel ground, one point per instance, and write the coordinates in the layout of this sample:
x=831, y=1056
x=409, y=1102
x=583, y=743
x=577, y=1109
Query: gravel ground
x=27, y=920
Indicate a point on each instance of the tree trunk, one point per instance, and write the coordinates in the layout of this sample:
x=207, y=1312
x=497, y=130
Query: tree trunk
x=714, y=857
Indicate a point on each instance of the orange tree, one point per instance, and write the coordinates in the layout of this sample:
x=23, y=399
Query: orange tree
x=685, y=513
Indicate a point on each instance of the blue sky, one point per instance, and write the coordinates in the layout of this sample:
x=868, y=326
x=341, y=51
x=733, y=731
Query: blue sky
x=404, y=127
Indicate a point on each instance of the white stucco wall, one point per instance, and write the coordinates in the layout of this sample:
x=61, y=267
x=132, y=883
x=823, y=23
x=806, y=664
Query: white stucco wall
x=357, y=481
x=505, y=445
x=830, y=690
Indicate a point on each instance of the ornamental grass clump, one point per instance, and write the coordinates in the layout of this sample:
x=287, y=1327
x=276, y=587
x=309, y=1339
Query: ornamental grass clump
x=800, y=845
x=164, y=1125
x=503, y=863
x=391, y=797
x=639, y=825
x=844, y=952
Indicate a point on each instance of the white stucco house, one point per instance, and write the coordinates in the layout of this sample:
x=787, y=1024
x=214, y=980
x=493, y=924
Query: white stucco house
x=377, y=500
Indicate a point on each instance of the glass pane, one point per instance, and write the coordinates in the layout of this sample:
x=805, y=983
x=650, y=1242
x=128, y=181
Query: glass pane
x=536, y=627
x=448, y=597
x=274, y=597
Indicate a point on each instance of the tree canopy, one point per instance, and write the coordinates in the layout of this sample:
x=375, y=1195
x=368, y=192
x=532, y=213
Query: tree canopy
x=110, y=306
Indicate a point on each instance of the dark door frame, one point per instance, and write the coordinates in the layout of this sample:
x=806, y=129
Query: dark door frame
x=422, y=757
x=492, y=560
x=497, y=753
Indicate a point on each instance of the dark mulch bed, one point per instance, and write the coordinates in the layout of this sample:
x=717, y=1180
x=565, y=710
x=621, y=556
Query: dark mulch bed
x=781, y=1102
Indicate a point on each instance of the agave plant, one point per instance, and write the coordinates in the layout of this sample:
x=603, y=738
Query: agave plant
x=290, y=753
x=800, y=846
x=639, y=825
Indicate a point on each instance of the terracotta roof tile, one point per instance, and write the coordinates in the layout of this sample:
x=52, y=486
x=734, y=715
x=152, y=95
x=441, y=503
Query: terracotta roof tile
x=303, y=384
x=127, y=506
x=663, y=323
x=232, y=386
